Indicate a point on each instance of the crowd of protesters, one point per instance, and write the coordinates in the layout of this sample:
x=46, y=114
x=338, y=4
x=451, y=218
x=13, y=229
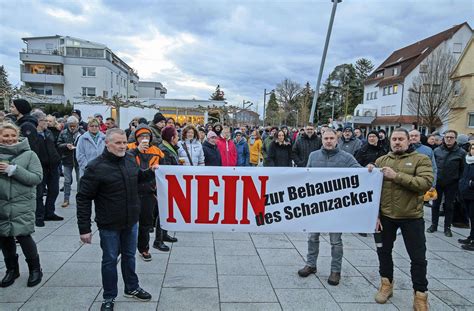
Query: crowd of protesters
x=114, y=169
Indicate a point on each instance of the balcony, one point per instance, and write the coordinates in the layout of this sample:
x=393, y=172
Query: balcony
x=42, y=78
x=45, y=99
x=41, y=57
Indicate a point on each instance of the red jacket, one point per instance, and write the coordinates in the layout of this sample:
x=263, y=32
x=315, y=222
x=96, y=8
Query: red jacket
x=228, y=151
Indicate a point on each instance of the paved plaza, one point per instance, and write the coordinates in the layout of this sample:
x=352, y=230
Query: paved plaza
x=238, y=271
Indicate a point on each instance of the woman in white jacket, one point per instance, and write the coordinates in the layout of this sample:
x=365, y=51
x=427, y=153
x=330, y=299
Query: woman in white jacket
x=90, y=145
x=190, y=149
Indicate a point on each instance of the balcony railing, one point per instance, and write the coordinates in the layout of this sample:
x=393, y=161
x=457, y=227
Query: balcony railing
x=46, y=52
x=42, y=78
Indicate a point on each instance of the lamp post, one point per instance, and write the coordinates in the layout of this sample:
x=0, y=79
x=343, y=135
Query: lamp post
x=323, y=59
x=418, y=104
x=265, y=102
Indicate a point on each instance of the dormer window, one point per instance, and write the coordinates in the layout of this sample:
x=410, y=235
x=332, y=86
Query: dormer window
x=395, y=71
x=423, y=68
x=379, y=74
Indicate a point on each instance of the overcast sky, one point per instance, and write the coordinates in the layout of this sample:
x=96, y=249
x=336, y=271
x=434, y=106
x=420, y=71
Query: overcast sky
x=245, y=46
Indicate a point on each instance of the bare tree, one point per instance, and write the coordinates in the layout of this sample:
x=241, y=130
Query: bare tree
x=432, y=94
x=287, y=95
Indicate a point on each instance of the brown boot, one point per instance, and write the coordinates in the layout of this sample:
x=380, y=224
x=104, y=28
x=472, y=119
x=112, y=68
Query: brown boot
x=385, y=291
x=306, y=271
x=420, y=301
x=334, y=278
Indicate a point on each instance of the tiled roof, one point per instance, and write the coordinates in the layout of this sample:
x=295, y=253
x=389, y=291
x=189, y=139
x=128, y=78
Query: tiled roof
x=410, y=56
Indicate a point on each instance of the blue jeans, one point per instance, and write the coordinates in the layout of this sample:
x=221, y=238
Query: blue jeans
x=336, y=250
x=68, y=180
x=112, y=243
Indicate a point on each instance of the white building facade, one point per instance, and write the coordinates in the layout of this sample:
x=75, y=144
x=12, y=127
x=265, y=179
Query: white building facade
x=63, y=68
x=386, y=90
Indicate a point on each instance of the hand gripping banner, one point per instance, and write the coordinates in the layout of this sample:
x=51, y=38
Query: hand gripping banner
x=268, y=199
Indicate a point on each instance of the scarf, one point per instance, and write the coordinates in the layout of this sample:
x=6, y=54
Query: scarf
x=469, y=159
x=168, y=145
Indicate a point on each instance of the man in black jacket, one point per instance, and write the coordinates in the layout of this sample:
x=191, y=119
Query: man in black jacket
x=304, y=145
x=450, y=162
x=50, y=159
x=111, y=181
x=21, y=109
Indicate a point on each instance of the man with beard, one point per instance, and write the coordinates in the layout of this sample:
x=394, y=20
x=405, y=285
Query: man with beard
x=407, y=176
x=304, y=145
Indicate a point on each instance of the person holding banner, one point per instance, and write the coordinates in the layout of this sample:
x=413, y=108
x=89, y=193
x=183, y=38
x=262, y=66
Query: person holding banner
x=328, y=156
x=407, y=176
x=146, y=156
x=111, y=181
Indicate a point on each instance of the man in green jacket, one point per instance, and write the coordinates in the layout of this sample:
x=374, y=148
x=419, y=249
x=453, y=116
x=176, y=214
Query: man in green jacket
x=407, y=176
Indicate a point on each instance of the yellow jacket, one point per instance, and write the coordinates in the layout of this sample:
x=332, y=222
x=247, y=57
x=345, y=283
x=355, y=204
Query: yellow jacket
x=256, y=151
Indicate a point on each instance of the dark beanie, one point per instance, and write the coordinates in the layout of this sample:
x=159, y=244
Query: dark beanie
x=142, y=121
x=78, y=112
x=167, y=133
x=158, y=118
x=23, y=106
x=373, y=132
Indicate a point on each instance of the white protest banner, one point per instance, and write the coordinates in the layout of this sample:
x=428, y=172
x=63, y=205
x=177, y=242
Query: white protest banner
x=268, y=199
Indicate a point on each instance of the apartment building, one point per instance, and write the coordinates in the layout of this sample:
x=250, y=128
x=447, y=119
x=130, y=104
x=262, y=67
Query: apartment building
x=386, y=89
x=63, y=68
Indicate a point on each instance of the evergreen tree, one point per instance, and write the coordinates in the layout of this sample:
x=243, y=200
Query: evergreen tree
x=272, y=113
x=218, y=94
x=363, y=67
x=5, y=88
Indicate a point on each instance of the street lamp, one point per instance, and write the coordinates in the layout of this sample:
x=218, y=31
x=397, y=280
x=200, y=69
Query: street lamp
x=418, y=104
x=323, y=60
x=246, y=102
x=265, y=102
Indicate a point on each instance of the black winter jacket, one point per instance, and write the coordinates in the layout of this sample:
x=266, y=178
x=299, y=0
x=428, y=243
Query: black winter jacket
x=303, y=146
x=450, y=163
x=68, y=157
x=111, y=182
x=369, y=153
x=466, y=183
x=47, y=152
x=279, y=155
x=28, y=124
x=212, y=156
x=170, y=158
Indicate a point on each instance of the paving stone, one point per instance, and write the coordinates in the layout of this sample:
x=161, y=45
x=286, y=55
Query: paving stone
x=19, y=292
x=352, y=289
x=442, y=269
x=52, y=261
x=302, y=248
x=59, y=243
x=402, y=280
x=296, y=236
x=67, y=229
x=324, y=267
x=452, y=298
x=436, y=244
x=287, y=277
x=264, y=306
x=362, y=258
x=129, y=305
x=192, y=255
x=6, y=306
x=462, y=259
x=62, y=298
x=403, y=300
x=73, y=274
x=157, y=264
x=234, y=236
x=465, y=288
x=245, y=289
x=88, y=253
x=271, y=241
x=235, y=248
x=186, y=299
x=195, y=240
x=151, y=282
x=366, y=306
x=351, y=242
x=178, y=275
x=280, y=257
x=306, y=299
x=240, y=265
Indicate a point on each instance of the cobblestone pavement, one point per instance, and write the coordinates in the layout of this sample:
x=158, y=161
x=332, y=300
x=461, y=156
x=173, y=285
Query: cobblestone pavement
x=238, y=271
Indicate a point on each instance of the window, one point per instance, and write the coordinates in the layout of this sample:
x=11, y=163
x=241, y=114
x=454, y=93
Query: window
x=393, y=110
x=389, y=90
x=395, y=71
x=367, y=97
x=471, y=119
x=379, y=74
x=395, y=88
x=73, y=52
x=116, y=80
x=423, y=68
x=384, y=91
x=457, y=48
x=88, y=71
x=48, y=90
x=49, y=46
x=105, y=94
x=93, y=53
x=111, y=79
x=375, y=95
x=436, y=88
x=88, y=91
x=426, y=88
x=457, y=87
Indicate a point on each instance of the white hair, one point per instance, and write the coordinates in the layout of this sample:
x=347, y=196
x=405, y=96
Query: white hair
x=72, y=119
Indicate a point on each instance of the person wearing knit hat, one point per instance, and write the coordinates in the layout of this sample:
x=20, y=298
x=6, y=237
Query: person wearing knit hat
x=77, y=113
x=217, y=128
x=146, y=156
x=212, y=156
x=348, y=142
x=21, y=109
x=156, y=125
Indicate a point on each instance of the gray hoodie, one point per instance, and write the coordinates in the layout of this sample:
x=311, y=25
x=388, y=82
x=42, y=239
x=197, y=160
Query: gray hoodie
x=351, y=146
